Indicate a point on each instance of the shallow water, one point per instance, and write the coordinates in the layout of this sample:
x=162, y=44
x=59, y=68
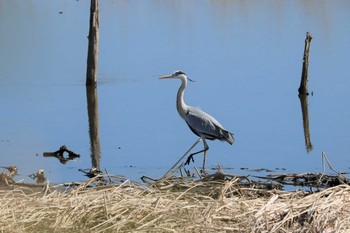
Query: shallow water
x=245, y=57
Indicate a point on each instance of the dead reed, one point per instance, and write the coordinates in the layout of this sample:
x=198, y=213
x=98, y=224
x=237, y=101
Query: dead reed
x=173, y=206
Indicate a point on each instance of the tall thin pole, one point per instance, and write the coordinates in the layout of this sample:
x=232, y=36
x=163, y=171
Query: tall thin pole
x=303, y=88
x=92, y=59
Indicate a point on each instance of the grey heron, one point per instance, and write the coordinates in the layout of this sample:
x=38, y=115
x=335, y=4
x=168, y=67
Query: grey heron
x=201, y=123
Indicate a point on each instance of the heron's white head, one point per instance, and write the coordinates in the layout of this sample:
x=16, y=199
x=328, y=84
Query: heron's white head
x=177, y=74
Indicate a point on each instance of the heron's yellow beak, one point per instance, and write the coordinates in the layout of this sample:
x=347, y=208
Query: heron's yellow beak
x=166, y=76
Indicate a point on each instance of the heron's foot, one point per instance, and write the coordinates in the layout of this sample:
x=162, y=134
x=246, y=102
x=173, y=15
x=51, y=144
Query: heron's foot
x=204, y=172
x=188, y=173
x=189, y=159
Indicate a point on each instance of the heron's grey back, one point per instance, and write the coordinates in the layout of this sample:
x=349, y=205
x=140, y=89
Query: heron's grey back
x=202, y=124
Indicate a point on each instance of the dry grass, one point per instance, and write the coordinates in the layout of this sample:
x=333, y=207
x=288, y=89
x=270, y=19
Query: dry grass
x=174, y=207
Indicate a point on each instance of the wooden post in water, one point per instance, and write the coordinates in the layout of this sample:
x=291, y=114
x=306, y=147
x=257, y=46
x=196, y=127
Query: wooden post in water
x=303, y=89
x=92, y=58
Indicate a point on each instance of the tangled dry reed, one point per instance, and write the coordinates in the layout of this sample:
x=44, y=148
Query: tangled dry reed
x=174, y=207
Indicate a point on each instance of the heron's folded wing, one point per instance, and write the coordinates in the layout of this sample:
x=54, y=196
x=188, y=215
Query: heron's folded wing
x=202, y=123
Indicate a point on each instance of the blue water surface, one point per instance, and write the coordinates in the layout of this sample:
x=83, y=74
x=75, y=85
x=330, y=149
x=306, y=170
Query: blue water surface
x=246, y=59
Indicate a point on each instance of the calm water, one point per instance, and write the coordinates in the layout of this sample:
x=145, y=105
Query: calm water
x=246, y=59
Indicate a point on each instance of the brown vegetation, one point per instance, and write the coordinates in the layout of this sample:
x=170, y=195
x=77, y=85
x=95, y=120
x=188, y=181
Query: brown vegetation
x=173, y=206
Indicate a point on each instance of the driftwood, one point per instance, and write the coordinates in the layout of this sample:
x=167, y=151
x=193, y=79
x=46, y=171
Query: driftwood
x=274, y=182
x=312, y=180
x=60, y=154
x=261, y=185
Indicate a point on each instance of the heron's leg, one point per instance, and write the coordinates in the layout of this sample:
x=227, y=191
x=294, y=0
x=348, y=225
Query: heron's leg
x=174, y=166
x=190, y=157
x=206, y=147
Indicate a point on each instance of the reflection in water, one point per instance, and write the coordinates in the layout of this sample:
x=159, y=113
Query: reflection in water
x=60, y=154
x=91, y=173
x=304, y=108
x=235, y=35
x=94, y=130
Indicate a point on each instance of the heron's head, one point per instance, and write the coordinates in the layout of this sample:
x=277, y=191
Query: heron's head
x=177, y=74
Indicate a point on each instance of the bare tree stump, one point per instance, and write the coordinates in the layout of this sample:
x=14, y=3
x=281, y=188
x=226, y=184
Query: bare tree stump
x=92, y=59
x=303, y=89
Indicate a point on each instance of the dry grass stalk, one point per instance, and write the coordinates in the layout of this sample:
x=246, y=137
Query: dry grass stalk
x=211, y=206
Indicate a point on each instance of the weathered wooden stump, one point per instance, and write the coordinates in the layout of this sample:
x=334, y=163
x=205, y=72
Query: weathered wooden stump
x=92, y=59
x=303, y=89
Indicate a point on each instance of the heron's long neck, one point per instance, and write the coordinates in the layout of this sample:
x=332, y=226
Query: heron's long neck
x=180, y=103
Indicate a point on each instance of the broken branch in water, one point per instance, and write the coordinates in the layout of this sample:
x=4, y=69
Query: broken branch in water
x=60, y=154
